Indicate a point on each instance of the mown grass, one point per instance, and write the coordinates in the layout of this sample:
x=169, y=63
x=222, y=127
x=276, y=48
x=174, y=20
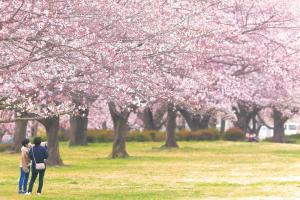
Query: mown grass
x=198, y=170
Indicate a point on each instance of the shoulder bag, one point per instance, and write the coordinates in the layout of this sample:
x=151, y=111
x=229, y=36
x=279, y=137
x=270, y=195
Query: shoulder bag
x=38, y=166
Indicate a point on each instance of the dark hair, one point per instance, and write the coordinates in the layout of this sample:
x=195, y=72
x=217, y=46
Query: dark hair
x=37, y=141
x=25, y=142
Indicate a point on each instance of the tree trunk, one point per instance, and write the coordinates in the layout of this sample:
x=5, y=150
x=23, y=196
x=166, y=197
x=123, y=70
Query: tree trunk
x=151, y=120
x=34, y=128
x=158, y=116
x=119, y=143
x=195, y=122
x=120, y=119
x=257, y=131
x=104, y=125
x=52, y=127
x=242, y=122
x=244, y=115
x=212, y=122
x=78, y=129
x=279, y=121
x=20, y=135
x=254, y=125
x=171, y=129
x=148, y=119
x=180, y=123
x=223, y=125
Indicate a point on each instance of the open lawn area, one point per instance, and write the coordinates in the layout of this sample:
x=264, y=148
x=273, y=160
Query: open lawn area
x=198, y=170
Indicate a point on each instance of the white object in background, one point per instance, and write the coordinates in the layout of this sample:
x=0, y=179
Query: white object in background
x=265, y=132
x=291, y=128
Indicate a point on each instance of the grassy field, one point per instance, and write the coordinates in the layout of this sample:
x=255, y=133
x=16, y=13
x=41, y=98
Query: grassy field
x=198, y=170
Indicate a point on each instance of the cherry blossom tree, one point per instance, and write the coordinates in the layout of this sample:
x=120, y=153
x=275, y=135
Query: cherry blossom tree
x=197, y=55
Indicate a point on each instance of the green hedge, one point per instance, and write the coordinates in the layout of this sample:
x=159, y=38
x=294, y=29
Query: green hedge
x=149, y=135
x=43, y=136
x=200, y=135
x=62, y=136
x=211, y=134
x=295, y=139
x=152, y=135
x=108, y=136
x=100, y=135
x=4, y=147
x=234, y=134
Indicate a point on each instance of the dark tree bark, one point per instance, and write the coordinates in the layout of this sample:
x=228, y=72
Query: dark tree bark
x=34, y=129
x=120, y=119
x=195, y=122
x=171, y=128
x=244, y=116
x=20, y=135
x=151, y=120
x=223, y=125
x=158, y=116
x=148, y=119
x=256, y=126
x=78, y=128
x=257, y=131
x=104, y=126
x=181, y=125
x=212, y=122
x=279, y=121
x=52, y=127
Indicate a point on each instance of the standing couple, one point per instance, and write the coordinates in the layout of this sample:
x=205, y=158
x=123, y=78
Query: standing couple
x=35, y=157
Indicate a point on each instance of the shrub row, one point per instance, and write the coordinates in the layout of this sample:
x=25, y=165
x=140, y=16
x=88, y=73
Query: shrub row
x=62, y=136
x=211, y=134
x=233, y=134
x=205, y=134
x=149, y=135
x=100, y=136
x=4, y=147
x=108, y=136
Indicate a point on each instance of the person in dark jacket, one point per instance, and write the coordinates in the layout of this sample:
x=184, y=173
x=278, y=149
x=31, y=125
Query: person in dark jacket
x=37, y=154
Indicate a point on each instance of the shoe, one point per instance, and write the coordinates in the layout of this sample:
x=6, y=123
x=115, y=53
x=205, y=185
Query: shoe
x=21, y=192
x=28, y=193
x=39, y=194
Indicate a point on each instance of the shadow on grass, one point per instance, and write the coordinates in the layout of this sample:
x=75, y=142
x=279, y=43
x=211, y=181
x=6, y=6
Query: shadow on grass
x=135, y=158
x=165, y=149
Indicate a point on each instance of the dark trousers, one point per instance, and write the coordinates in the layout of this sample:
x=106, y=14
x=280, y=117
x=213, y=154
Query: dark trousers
x=23, y=181
x=34, y=174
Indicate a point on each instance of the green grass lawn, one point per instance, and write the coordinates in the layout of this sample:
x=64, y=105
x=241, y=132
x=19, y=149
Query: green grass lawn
x=198, y=170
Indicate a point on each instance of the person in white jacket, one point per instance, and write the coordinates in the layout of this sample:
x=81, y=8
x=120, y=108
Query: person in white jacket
x=24, y=166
